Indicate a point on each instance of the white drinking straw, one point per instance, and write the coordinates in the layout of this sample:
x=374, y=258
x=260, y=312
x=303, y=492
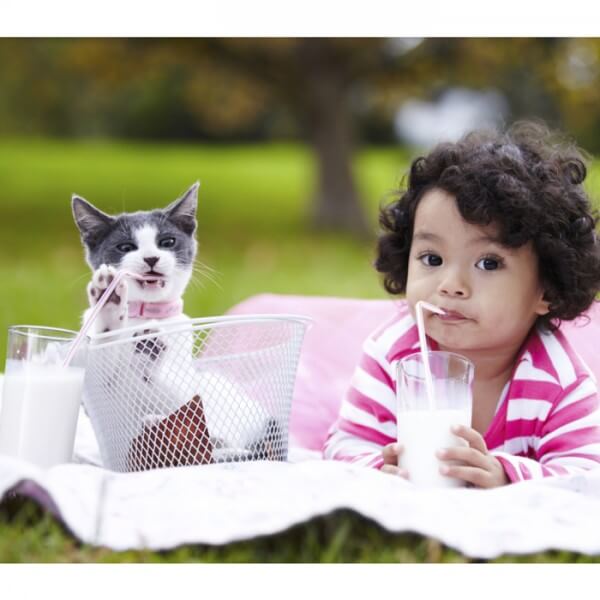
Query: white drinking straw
x=421, y=304
x=101, y=302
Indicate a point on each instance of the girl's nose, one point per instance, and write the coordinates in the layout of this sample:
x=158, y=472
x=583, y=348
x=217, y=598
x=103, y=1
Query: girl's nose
x=454, y=285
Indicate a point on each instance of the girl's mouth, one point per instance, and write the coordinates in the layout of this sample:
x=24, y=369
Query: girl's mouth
x=452, y=316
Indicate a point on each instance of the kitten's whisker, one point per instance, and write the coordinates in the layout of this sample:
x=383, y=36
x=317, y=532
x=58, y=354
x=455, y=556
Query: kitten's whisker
x=201, y=282
x=76, y=280
x=197, y=283
x=204, y=272
x=207, y=275
x=203, y=265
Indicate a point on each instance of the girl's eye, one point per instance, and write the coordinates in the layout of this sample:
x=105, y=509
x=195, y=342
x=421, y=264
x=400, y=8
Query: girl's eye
x=166, y=242
x=489, y=264
x=431, y=260
x=126, y=247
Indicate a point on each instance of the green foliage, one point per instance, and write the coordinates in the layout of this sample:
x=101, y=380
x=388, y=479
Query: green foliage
x=252, y=88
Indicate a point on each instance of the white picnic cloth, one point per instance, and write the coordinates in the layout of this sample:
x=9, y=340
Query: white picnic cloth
x=217, y=504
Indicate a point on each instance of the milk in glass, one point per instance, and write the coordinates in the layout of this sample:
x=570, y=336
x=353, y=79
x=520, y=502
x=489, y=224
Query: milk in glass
x=422, y=433
x=424, y=424
x=40, y=405
x=41, y=395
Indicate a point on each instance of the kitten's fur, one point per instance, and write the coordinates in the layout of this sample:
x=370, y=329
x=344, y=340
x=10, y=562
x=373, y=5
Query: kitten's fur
x=136, y=242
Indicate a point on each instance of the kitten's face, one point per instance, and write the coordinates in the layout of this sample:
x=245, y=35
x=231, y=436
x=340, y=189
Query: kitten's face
x=158, y=244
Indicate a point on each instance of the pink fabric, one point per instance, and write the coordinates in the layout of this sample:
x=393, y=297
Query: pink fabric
x=333, y=347
x=154, y=310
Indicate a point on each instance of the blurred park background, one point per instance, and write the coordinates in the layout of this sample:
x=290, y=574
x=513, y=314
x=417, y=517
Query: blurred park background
x=296, y=142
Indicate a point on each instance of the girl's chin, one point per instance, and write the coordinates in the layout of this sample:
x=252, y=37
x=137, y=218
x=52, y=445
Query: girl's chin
x=452, y=343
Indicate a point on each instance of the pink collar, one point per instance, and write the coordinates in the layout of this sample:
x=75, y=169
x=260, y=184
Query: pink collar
x=155, y=310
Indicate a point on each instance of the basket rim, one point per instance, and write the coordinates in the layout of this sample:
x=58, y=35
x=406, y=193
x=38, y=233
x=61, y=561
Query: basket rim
x=105, y=340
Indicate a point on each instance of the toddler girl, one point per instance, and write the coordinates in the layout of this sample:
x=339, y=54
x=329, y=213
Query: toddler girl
x=497, y=230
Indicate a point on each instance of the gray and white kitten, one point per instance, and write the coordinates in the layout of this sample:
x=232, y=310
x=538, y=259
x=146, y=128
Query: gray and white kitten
x=157, y=243
x=161, y=244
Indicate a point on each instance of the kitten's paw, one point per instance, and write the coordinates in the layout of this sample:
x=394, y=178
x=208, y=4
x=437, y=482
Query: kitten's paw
x=101, y=279
x=147, y=351
x=153, y=347
x=113, y=314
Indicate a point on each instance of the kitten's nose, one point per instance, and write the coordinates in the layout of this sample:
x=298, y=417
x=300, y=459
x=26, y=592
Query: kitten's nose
x=151, y=261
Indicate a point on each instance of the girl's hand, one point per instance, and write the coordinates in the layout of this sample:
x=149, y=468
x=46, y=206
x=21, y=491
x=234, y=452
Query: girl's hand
x=479, y=467
x=390, y=454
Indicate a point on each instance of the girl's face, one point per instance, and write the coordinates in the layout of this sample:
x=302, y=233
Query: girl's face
x=492, y=293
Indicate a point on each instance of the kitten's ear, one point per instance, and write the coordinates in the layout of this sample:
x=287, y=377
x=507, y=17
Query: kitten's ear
x=183, y=211
x=92, y=223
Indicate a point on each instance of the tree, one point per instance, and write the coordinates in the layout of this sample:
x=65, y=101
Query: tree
x=317, y=80
x=217, y=87
x=322, y=89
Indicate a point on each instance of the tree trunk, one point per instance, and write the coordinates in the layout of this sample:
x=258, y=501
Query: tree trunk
x=336, y=204
x=328, y=125
x=312, y=77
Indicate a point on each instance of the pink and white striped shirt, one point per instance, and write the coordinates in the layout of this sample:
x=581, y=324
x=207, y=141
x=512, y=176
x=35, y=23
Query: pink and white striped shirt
x=547, y=421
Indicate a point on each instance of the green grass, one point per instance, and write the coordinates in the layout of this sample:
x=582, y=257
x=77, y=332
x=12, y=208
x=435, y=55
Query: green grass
x=28, y=534
x=253, y=231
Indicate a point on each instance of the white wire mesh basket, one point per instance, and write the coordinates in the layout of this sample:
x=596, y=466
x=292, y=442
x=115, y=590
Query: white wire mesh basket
x=199, y=392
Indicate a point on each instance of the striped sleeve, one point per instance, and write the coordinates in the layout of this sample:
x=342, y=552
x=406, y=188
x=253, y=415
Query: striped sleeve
x=569, y=439
x=367, y=421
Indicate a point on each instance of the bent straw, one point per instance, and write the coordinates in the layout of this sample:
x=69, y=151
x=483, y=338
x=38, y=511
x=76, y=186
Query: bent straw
x=424, y=349
x=101, y=302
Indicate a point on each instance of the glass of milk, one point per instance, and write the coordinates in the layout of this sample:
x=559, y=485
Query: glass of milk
x=40, y=397
x=423, y=429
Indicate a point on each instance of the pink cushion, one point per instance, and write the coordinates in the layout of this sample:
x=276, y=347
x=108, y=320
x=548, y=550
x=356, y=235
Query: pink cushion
x=332, y=348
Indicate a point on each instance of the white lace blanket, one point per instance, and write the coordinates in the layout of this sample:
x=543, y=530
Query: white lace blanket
x=216, y=504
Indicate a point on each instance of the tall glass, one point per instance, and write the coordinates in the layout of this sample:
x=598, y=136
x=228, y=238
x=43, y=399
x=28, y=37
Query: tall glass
x=40, y=396
x=423, y=427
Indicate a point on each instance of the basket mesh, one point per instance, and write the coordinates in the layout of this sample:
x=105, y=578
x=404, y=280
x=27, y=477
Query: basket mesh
x=193, y=394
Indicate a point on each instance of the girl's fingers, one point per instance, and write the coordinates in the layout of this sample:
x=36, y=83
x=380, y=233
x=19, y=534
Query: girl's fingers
x=471, y=436
x=461, y=454
x=474, y=475
x=393, y=470
x=390, y=453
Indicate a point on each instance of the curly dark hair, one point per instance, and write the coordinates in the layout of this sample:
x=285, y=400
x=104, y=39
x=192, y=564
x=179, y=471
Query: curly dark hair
x=528, y=182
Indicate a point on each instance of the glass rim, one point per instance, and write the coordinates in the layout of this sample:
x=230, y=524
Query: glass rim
x=417, y=354
x=461, y=357
x=30, y=331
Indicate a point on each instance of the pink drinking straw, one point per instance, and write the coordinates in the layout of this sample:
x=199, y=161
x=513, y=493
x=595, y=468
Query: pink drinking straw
x=101, y=302
x=424, y=349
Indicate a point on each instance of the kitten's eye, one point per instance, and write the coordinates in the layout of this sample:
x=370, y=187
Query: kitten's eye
x=489, y=264
x=166, y=242
x=126, y=247
x=431, y=260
